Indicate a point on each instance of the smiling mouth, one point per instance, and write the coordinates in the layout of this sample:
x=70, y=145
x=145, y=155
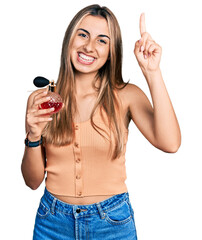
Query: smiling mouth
x=82, y=58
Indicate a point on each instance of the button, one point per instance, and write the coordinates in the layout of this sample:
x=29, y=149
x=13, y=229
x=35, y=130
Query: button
x=76, y=144
x=78, y=160
x=78, y=210
x=76, y=127
x=79, y=193
x=78, y=177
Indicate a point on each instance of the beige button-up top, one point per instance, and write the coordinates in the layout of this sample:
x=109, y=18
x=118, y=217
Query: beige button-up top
x=85, y=168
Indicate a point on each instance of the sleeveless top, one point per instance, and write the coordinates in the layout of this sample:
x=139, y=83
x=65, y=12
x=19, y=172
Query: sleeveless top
x=85, y=167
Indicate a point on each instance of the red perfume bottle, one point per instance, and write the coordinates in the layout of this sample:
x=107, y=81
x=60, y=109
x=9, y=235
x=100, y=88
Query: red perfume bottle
x=55, y=101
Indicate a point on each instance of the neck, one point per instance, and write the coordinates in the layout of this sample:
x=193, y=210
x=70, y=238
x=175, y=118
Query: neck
x=84, y=83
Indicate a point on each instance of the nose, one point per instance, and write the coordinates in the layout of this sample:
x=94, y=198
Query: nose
x=89, y=46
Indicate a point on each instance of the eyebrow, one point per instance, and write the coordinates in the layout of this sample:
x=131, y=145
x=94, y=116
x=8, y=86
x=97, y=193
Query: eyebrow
x=100, y=35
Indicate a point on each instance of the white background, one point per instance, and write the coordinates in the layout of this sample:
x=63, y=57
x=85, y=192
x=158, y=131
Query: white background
x=165, y=189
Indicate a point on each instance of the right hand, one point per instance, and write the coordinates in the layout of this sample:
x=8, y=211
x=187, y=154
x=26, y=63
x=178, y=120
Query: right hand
x=36, y=118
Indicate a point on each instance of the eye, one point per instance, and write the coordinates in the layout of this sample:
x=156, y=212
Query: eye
x=82, y=35
x=102, y=41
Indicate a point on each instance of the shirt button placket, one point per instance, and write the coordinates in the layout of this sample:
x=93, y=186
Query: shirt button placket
x=78, y=163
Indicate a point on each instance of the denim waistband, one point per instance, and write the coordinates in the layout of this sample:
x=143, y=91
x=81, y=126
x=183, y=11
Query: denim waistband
x=57, y=205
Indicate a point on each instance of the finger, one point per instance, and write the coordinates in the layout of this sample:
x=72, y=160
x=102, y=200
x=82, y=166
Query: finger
x=40, y=94
x=35, y=93
x=37, y=96
x=43, y=119
x=139, y=55
x=41, y=112
x=152, y=49
x=41, y=100
x=147, y=46
x=155, y=49
x=143, y=41
x=142, y=24
x=31, y=121
x=137, y=47
x=144, y=38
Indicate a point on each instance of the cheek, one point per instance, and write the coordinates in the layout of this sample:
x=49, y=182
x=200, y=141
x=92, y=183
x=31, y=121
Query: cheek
x=74, y=48
x=76, y=43
x=105, y=53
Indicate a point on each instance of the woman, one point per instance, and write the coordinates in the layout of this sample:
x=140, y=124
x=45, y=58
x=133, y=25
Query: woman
x=83, y=150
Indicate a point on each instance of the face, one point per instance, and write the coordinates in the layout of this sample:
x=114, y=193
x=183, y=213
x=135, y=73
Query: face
x=90, y=46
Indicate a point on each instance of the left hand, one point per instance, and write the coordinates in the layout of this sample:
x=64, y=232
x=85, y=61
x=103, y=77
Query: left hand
x=147, y=51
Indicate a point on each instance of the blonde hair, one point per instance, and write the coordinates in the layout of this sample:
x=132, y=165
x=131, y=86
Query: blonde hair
x=60, y=131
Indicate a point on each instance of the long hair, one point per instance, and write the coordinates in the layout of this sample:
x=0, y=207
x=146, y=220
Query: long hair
x=60, y=131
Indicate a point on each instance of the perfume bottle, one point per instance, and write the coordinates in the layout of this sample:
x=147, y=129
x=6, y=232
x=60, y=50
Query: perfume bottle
x=55, y=101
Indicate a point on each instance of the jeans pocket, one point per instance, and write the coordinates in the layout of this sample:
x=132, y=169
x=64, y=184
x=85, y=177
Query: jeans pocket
x=120, y=214
x=43, y=211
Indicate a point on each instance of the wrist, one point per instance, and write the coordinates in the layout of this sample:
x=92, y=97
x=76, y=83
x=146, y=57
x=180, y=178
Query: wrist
x=33, y=143
x=151, y=72
x=153, y=76
x=32, y=137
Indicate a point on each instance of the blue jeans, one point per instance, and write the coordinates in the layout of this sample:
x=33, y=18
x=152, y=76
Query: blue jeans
x=110, y=219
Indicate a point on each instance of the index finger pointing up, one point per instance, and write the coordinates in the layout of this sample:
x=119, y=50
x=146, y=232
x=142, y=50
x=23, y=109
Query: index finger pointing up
x=142, y=24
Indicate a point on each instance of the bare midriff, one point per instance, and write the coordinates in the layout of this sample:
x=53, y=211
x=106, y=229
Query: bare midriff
x=82, y=200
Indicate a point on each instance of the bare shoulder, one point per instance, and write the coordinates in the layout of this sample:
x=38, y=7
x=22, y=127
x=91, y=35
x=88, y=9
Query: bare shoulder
x=130, y=94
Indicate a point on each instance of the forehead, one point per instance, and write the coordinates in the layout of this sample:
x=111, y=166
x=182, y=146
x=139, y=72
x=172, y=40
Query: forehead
x=95, y=25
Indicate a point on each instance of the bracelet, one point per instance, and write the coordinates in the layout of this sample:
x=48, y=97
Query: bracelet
x=33, y=144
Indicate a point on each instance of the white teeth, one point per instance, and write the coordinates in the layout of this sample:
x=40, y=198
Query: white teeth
x=86, y=58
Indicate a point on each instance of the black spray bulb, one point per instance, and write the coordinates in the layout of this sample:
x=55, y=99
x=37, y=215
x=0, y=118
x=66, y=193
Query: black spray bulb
x=41, y=82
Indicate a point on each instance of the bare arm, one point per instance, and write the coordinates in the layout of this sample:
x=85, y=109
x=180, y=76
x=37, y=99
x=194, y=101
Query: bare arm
x=33, y=162
x=33, y=166
x=165, y=125
x=158, y=123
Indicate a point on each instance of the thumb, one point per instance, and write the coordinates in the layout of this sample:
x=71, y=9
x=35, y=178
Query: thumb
x=137, y=49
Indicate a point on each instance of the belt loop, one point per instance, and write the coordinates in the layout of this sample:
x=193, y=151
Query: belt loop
x=53, y=205
x=102, y=214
